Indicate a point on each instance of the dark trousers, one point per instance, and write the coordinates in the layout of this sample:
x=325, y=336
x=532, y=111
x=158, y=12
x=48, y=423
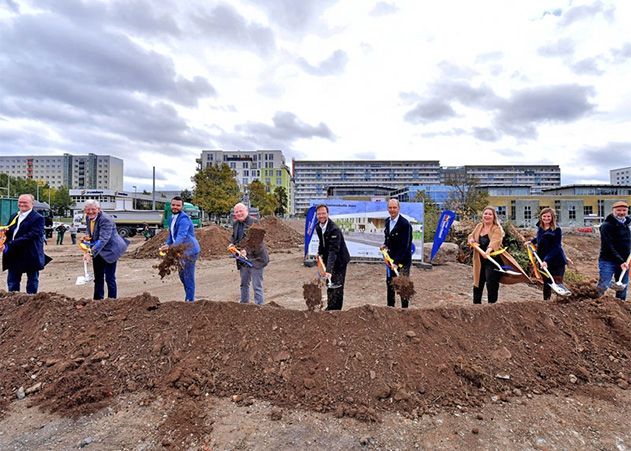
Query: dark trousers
x=391, y=298
x=335, y=296
x=60, y=237
x=14, y=279
x=557, y=275
x=491, y=278
x=104, y=272
x=73, y=237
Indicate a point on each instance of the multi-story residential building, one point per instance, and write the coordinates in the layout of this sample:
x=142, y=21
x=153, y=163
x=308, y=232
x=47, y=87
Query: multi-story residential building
x=321, y=179
x=73, y=171
x=620, y=176
x=537, y=177
x=267, y=166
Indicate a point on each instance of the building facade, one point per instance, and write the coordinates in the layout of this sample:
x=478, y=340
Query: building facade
x=537, y=177
x=620, y=176
x=575, y=205
x=73, y=171
x=267, y=166
x=321, y=179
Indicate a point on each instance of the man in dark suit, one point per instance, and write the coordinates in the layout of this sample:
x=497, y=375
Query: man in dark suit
x=334, y=253
x=23, y=251
x=182, y=233
x=106, y=245
x=398, y=241
x=257, y=256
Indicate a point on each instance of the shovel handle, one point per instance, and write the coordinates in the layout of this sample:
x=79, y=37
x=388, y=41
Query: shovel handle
x=476, y=246
x=545, y=270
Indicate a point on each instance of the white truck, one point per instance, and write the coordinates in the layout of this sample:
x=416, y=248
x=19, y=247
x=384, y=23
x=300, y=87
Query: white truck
x=128, y=222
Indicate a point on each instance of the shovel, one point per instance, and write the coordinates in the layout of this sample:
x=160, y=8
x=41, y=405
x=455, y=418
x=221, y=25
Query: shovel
x=492, y=260
x=389, y=262
x=236, y=254
x=617, y=285
x=322, y=271
x=559, y=289
x=86, y=277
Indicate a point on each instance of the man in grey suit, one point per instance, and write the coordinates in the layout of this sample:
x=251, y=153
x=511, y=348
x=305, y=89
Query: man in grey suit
x=258, y=257
x=106, y=247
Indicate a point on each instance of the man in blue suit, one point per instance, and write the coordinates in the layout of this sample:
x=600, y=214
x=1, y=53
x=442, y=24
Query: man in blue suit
x=182, y=233
x=106, y=246
x=23, y=251
x=398, y=241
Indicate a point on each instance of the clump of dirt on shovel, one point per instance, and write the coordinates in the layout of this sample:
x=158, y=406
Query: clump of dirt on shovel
x=173, y=261
x=312, y=293
x=404, y=286
x=254, y=237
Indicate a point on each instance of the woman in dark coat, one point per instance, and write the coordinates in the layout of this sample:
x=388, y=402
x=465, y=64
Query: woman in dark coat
x=549, y=248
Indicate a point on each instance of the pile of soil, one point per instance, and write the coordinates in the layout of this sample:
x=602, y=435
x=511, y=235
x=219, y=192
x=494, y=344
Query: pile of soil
x=279, y=236
x=214, y=240
x=73, y=356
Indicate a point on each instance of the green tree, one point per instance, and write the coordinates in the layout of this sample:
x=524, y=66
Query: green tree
x=431, y=212
x=14, y=186
x=61, y=201
x=261, y=199
x=186, y=196
x=216, y=189
x=280, y=194
x=467, y=200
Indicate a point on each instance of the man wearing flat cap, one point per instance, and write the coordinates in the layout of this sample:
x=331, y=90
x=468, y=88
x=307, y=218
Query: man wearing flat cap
x=615, y=247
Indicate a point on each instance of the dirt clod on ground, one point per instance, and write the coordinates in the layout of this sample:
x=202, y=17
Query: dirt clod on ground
x=312, y=292
x=404, y=286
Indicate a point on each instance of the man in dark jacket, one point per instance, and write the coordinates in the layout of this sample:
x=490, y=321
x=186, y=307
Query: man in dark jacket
x=398, y=242
x=23, y=251
x=615, y=247
x=257, y=256
x=334, y=253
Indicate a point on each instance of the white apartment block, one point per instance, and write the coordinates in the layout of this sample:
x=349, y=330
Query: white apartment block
x=321, y=179
x=537, y=177
x=73, y=171
x=621, y=176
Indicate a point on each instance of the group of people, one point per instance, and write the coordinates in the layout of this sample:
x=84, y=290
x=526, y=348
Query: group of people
x=613, y=260
x=23, y=250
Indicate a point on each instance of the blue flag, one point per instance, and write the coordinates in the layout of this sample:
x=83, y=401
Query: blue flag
x=310, y=222
x=442, y=229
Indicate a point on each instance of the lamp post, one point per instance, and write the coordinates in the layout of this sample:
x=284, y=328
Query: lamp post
x=134, y=200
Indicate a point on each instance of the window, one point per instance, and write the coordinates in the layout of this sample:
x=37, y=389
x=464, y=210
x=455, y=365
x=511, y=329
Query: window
x=501, y=211
x=588, y=210
x=233, y=165
x=279, y=173
x=572, y=212
x=527, y=212
x=246, y=173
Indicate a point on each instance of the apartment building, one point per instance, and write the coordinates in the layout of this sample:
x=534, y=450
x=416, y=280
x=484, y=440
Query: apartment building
x=620, y=176
x=267, y=166
x=73, y=171
x=330, y=178
x=537, y=177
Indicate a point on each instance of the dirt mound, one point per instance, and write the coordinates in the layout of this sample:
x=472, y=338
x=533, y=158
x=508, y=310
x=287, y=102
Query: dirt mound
x=354, y=363
x=280, y=236
x=214, y=240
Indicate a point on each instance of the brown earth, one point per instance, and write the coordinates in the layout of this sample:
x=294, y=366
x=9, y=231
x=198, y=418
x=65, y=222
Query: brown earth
x=139, y=374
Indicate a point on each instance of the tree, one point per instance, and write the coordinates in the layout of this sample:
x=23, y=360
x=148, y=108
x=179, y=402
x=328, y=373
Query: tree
x=17, y=185
x=261, y=199
x=431, y=213
x=280, y=194
x=216, y=189
x=61, y=200
x=466, y=200
x=186, y=196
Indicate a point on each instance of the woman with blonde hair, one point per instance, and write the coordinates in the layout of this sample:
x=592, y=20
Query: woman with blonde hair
x=488, y=236
x=549, y=249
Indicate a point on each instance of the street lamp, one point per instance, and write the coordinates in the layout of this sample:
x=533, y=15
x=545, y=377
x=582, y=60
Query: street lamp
x=134, y=200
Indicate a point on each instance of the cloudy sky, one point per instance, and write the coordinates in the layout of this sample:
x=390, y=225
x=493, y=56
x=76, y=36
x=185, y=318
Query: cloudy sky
x=463, y=82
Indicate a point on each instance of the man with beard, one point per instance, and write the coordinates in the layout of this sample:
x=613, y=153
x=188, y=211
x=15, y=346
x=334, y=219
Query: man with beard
x=182, y=235
x=615, y=246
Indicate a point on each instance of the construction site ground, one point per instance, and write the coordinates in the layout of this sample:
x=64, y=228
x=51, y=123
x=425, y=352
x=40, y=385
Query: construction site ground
x=148, y=371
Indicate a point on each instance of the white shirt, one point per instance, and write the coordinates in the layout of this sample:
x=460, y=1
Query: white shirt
x=393, y=222
x=172, y=228
x=21, y=217
x=323, y=228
